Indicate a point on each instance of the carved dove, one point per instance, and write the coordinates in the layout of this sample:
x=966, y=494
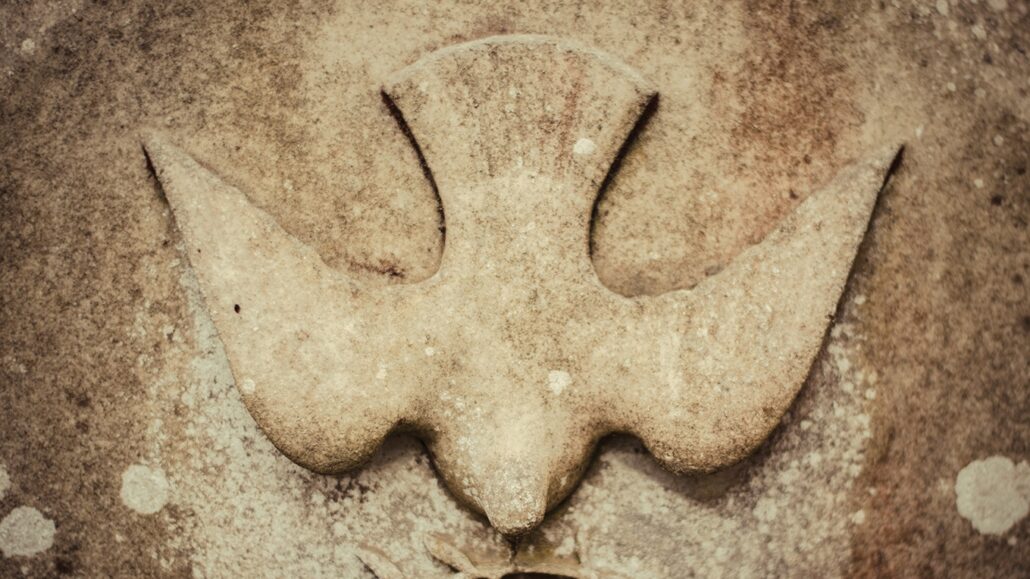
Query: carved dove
x=513, y=359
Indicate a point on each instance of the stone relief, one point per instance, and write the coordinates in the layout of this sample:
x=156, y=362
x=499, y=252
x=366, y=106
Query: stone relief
x=513, y=360
x=811, y=354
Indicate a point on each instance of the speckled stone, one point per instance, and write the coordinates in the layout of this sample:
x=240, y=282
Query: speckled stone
x=109, y=359
x=513, y=359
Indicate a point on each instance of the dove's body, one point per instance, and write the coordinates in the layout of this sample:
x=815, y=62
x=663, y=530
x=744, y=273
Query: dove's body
x=513, y=359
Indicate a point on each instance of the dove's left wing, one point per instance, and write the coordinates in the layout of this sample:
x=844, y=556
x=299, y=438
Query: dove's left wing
x=303, y=341
x=725, y=359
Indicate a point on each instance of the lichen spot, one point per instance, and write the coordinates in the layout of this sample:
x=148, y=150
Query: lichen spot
x=430, y=351
x=584, y=147
x=993, y=494
x=5, y=481
x=247, y=386
x=558, y=381
x=25, y=531
x=144, y=489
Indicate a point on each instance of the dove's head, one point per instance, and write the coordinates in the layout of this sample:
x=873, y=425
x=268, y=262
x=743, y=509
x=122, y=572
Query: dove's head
x=512, y=463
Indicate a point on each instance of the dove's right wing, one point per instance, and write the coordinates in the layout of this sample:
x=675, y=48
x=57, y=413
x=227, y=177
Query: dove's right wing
x=304, y=343
x=726, y=358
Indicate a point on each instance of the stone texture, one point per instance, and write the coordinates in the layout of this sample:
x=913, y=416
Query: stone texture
x=512, y=360
x=108, y=358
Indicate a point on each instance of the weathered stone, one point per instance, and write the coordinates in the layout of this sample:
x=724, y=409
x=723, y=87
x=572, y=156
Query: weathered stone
x=513, y=359
x=109, y=359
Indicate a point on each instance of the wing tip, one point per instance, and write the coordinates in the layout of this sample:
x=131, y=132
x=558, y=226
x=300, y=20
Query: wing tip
x=155, y=144
x=164, y=158
x=879, y=165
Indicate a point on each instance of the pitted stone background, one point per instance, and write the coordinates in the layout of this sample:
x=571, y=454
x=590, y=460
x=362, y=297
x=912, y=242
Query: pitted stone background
x=125, y=450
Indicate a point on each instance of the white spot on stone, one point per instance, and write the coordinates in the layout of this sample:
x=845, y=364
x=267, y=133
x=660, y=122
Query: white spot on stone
x=584, y=146
x=979, y=32
x=381, y=373
x=144, y=489
x=430, y=351
x=951, y=87
x=28, y=46
x=870, y=394
x=858, y=517
x=999, y=140
x=247, y=386
x=993, y=494
x=765, y=510
x=25, y=531
x=567, y=547
x=5, y=481
x=942, y=7
x=998, y=5
x=979, y=183
x=558, y=381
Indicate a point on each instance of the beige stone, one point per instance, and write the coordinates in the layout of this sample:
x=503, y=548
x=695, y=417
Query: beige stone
x=513, y=360
x=108, y=357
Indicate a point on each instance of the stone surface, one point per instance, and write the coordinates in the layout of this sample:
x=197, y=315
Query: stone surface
x=25, y=532
x=994, y=494
x=108, y=359
x=466, y=359
x=5, y=481
x=144, y=489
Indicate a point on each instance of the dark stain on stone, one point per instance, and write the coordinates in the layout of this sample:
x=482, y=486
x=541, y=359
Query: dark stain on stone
x=381, y=267
x=796, y=89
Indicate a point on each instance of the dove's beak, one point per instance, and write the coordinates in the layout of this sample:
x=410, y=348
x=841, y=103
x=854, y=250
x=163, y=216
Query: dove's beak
x=514, y=465
x=515, y=499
